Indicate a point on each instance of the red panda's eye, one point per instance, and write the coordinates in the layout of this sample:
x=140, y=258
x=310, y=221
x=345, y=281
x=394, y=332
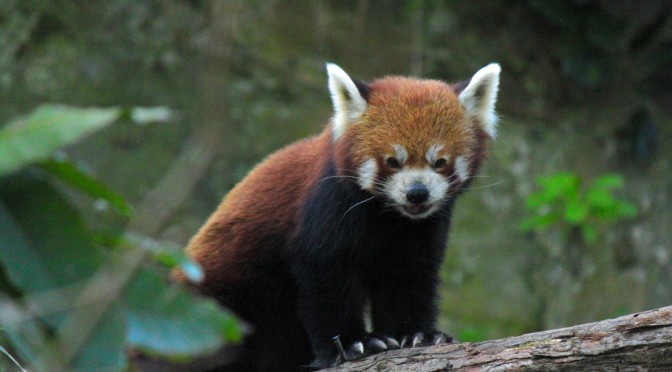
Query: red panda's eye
x=393, y=163
x=440, y=163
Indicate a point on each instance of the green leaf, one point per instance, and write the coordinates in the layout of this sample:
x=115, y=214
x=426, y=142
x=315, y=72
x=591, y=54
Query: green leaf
x=608, y=181
x=36, y=136
x=559, y=185
x=626, y=209
x=69, y=173
x=44, y=246
x=106, y=349
x=47, y=245
x=600, y=199
x=21, y=261
x=169, y=320
x=575, y=211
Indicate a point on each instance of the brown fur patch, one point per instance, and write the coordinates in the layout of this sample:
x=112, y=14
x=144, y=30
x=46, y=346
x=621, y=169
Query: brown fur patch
x=415, y=114
x=265, y=203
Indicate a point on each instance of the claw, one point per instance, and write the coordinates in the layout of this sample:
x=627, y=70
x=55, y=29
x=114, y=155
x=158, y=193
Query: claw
x=376, y=345
x=404, y=342
x=439, y=339
x=417, y=339
x=391, y=343
x=356, y=351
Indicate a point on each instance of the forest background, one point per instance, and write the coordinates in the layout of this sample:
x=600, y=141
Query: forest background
x=570, y=222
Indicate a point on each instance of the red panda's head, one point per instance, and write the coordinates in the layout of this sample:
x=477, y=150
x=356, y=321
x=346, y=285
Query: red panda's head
x=416, y=143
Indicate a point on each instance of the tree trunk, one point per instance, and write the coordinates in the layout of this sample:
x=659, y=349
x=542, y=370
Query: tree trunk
x=641, y=341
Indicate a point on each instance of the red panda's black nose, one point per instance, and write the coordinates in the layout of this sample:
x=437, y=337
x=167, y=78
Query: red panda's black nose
x=417, y=194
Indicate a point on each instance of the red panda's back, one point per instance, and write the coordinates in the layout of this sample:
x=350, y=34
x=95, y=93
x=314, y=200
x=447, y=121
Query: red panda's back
x=262, y=207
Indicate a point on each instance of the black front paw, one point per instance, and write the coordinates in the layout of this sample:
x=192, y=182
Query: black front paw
x=426, y=339
x=370, y=344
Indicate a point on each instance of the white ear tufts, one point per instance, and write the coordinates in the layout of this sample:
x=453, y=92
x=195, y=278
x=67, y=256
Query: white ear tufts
x=480, y=96
x=349, y=105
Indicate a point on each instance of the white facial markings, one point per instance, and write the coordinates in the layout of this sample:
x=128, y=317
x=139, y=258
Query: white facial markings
x=398, y=184
x=367, y=174
x=432, y=154
x=462, y=168
x=400, y=153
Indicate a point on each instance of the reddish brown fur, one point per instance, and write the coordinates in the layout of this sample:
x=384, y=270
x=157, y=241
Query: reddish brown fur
x=415, y=114
x=271, y=196
x=405, y=111
x=268, y=203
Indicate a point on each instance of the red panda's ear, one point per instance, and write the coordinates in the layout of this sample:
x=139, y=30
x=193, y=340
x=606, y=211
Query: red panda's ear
x=349, y=104
x=480, y=95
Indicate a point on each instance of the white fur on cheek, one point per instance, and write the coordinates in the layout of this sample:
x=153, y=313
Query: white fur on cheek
x=462, y=168
x=367, y=174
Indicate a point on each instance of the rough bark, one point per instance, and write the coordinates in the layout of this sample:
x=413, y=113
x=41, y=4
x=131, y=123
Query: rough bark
x=641, y=341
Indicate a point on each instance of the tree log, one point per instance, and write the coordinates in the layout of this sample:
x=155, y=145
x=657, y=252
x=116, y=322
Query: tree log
x=641, y=341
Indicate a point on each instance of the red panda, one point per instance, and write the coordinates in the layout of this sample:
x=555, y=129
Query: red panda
x=356, y=217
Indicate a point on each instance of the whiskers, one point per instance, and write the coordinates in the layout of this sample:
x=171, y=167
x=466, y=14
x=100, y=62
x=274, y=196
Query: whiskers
x=355, y=205
x=453, y=192
x=486, y=186
x=379, y=185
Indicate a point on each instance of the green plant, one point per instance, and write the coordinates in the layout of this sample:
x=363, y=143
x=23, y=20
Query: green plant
x=72, y=301
x=565, y=201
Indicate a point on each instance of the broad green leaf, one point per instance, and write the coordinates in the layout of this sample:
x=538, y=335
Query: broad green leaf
x=49, y=245
x=36, y=136
x=106, y=349
x=69, y=173
x=20, y=259
x=168, y=320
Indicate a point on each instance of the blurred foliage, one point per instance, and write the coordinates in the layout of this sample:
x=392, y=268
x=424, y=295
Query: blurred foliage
x=68, y=302
x=576, y=76
x=565, y=202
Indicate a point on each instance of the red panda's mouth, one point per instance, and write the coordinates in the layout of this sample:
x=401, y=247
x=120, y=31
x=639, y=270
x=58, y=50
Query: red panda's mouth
x=416, y=209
